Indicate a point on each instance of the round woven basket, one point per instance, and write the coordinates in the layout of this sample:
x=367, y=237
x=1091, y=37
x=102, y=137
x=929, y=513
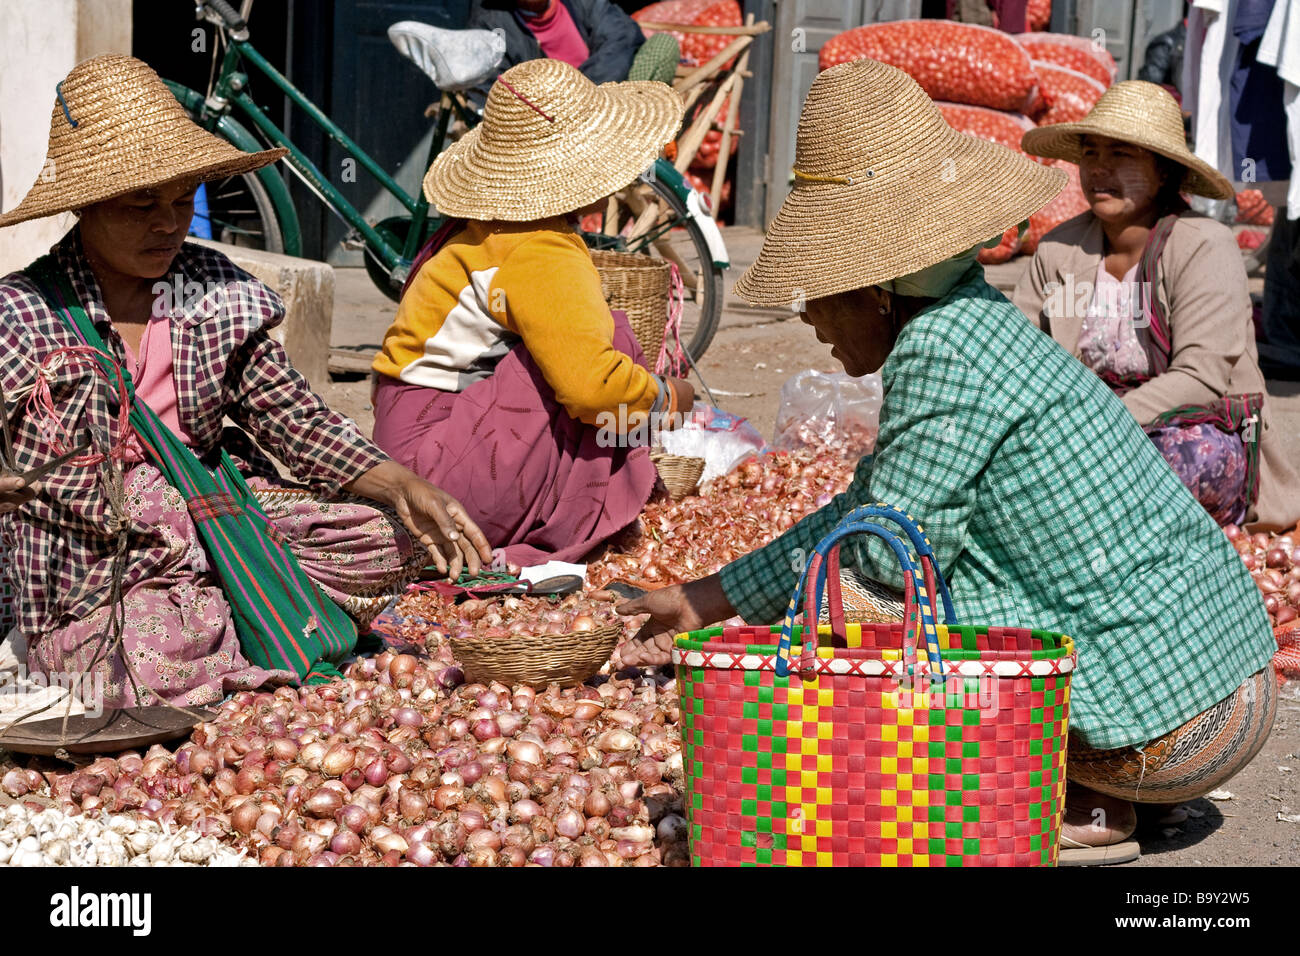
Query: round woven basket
x=639, y=285
x=564, y=659
x=680, y=474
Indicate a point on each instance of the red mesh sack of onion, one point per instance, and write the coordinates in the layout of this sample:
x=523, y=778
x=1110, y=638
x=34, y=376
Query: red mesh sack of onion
x=957, y=62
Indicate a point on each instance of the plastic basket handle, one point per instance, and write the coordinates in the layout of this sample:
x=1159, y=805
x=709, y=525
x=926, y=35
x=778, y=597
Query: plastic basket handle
x=912, y=528
x=918, y=611
x=918, y=601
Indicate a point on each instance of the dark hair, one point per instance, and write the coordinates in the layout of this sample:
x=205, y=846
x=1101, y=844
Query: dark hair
x=1169, y=198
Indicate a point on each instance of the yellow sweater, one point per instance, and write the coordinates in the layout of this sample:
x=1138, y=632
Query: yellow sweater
x=494, y=284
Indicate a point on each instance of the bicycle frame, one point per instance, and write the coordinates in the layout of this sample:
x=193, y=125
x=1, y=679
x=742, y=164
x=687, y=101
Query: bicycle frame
x=230, y=89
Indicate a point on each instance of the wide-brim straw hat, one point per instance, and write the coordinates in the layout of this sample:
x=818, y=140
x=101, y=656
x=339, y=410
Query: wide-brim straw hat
x=1140, y=113
x=884, y=187
x=117, y=128
x=551, y=141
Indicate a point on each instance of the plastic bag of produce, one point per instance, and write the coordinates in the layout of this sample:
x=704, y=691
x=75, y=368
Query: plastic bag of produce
x=722, y=439
x=1074, y=53
x=1069, y=202
x=1066, y=96
x=697, y=48
x=957, y=62
x=1253, y=209
x=821, y=410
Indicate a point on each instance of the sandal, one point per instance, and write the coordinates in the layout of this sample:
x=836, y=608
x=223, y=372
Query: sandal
x=498, y=583
x=1074, y=853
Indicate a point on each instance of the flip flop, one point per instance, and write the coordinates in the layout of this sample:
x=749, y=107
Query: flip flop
x=499, y=583
x=1073, y=853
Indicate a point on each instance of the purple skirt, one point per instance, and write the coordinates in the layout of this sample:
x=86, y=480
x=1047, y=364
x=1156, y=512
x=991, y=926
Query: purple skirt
x=1211, y=463
x=535, y=480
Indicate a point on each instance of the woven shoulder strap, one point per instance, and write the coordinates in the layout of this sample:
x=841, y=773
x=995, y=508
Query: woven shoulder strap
x=283, y=620
x=1158, y=341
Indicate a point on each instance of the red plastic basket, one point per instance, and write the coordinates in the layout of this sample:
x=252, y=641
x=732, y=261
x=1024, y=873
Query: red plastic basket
x=859, y=753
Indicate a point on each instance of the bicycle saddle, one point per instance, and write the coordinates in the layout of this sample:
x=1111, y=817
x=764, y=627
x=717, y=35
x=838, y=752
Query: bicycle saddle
x=456, y=60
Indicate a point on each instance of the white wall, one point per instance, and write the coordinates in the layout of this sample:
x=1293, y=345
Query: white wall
x=42, y=40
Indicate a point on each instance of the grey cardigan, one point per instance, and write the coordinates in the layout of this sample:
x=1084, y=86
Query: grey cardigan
x=1202, y=285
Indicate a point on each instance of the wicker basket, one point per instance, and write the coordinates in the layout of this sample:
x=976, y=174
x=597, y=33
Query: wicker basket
x=680, y=474
x=639, y=285
x=564, y=659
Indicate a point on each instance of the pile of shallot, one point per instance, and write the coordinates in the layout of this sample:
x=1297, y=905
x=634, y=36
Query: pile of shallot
x=678, y=541
x=503, y=616
x=1274, y=563
x=402, y=763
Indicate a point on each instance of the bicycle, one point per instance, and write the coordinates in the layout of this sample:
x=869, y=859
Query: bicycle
x=658, y=215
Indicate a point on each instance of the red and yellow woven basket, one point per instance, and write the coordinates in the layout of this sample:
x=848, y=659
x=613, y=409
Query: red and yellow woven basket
x=862, y=755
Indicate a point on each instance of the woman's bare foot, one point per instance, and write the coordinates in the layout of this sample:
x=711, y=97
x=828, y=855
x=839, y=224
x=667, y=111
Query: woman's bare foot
x=1094, y=819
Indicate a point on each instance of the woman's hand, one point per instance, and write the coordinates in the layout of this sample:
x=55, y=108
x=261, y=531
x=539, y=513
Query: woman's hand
x=14, y=493
x=436, y=519
x=683, y=607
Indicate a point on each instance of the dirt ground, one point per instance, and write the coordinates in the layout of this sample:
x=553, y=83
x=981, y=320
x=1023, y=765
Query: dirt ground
x=754, y=352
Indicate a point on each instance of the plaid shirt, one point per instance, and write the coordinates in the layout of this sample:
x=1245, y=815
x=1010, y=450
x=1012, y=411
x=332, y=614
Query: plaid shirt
x=1048, y=507
x=226, y=363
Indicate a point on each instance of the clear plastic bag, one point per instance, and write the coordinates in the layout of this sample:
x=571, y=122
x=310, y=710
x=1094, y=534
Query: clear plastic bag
x=723, y=440
x=829, y=411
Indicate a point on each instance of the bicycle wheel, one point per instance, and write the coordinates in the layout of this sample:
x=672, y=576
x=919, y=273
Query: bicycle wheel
x=647, y=217
x=241, y=213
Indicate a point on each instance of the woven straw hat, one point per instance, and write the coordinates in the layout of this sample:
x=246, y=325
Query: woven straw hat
x=883, y=188
x=1140, y=113
x=116, y=128
x=551, y=142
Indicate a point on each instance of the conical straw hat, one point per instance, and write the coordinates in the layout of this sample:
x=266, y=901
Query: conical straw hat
x=551, y=142
x=116, y=128
x=1140, y=113
x=884, y=187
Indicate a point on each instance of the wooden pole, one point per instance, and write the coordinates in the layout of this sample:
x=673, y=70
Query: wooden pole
x=732, y=49
x=750, y=29
x=689, y=144
x=733, y=116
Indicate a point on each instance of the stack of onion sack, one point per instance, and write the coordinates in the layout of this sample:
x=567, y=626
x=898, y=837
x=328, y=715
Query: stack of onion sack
x=1067, y=204
x=697, y=48
x=955, y=62
x=676, y=541
x=1038, y=14
x=400, y=763
x=1074, y=53
x=1064, y=95
x=996, y=126
x=1274, y=563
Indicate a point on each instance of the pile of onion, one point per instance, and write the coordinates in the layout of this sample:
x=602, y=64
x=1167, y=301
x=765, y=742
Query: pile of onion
x=1274, y=563
x=677, y=541
x=402, y=763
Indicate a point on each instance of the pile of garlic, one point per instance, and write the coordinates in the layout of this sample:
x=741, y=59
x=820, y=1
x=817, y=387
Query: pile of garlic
x=51, y=838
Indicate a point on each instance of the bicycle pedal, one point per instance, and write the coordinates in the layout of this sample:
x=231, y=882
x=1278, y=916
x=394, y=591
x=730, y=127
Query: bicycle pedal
x=353, y=242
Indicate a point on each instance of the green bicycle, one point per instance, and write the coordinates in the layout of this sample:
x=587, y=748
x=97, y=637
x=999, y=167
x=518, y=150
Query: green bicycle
x=660, y=215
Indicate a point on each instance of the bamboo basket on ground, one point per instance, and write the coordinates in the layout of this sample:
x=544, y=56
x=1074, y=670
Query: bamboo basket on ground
x=564, y=659
x=680, y=474
x=639, y=286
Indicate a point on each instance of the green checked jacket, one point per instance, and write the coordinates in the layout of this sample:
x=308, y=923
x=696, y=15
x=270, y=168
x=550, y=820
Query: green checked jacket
x=1048, y=507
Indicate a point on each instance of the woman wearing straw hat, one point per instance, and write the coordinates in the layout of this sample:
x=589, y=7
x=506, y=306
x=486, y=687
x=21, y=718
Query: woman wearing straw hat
x=1153, y=298
x=504, y=377
x=1045, y=503
x=104, y=307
